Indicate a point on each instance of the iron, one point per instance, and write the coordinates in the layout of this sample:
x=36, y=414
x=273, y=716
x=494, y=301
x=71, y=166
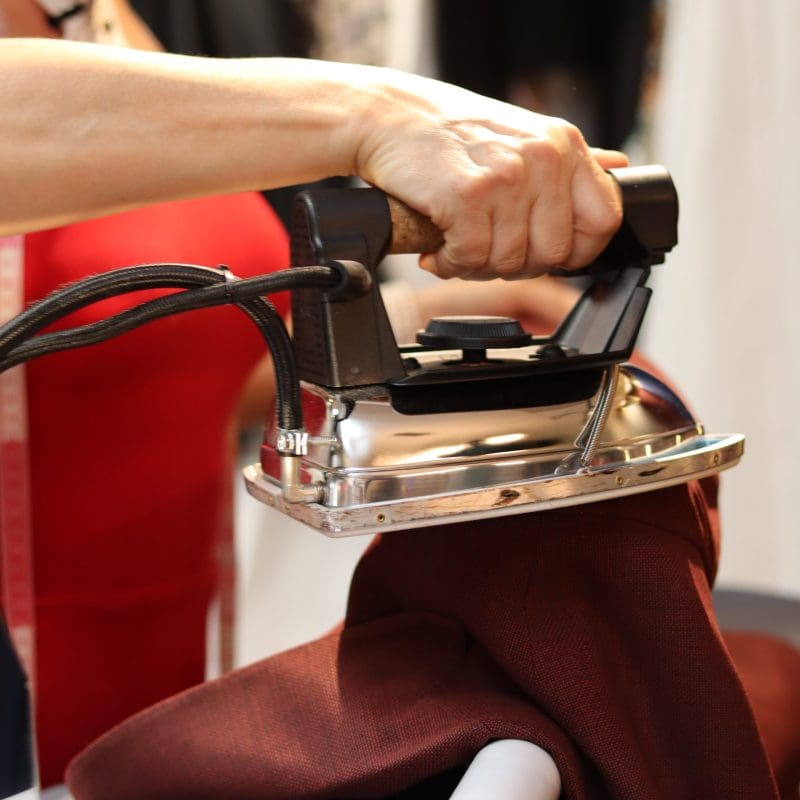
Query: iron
x=477, y=419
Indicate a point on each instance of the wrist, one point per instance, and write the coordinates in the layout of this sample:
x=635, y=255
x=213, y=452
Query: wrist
x=316, y=112
x=391, y=108
x=357, y=102
x=354, y=93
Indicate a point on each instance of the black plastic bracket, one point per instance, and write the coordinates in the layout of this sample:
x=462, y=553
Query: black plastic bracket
x=346, y=344
x=339, y=344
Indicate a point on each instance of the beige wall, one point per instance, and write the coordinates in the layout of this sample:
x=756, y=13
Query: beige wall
x=725, y=320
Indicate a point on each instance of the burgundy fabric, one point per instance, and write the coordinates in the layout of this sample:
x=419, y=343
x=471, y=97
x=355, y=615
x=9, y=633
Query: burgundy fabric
x=770, y=671
x=587, y=630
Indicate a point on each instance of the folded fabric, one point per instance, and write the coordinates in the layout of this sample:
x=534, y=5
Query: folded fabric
x=588, y=631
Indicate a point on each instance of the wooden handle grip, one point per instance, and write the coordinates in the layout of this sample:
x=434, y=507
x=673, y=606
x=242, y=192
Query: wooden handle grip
x=412, y=232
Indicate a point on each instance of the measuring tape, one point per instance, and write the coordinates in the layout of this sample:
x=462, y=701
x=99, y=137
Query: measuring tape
x=16, y=534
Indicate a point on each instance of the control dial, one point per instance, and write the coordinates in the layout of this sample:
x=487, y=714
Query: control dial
x=473, y=335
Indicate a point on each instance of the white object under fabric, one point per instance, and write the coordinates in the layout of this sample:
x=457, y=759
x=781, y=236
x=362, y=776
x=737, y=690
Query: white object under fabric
x=724, y=318
x=59, y=792
x=510, y=769
x=292, y=582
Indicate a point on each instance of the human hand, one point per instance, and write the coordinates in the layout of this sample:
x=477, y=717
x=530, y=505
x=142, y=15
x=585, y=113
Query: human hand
x=515, y=193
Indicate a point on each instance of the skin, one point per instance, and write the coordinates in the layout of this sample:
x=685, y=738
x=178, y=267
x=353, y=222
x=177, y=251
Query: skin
x=514, y=192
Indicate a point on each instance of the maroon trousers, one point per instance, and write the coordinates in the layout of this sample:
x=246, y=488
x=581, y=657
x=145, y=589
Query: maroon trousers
x=587, y=630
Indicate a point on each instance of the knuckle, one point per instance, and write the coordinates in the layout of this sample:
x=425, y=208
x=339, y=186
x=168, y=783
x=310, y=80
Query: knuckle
x=510, y=263
x=501, y=157
x=572, y=134
x=508, y=168
x=503, y=168
x=554, y=253
x=467, y=256
x=471, y=188
x=546, y=155
x=469, y=261
x=444, y=267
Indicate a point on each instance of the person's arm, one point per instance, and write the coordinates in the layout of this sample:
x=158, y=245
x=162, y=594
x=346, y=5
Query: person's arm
x=86, y=130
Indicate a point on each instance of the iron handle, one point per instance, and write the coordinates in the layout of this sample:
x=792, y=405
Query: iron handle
x=649, y=204
x=412, y=232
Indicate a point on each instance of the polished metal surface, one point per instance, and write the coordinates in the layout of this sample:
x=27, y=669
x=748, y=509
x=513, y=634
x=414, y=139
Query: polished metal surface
x=377, y=469
x=589, y=437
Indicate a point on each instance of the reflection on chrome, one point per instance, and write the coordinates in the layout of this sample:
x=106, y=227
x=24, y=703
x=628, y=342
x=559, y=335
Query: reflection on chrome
x=380, y=458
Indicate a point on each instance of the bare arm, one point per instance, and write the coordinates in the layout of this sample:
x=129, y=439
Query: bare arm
x=86, y=130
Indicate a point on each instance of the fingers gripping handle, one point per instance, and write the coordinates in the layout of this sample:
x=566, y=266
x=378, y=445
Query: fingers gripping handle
x=351, y=344
x=649, y=227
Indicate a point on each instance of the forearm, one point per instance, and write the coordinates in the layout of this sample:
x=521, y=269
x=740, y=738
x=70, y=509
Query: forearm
x=86, y=130
x=133, y=128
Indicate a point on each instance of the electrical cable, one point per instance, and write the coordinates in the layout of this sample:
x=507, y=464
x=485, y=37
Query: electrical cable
x=90, y=290
x=211, y=288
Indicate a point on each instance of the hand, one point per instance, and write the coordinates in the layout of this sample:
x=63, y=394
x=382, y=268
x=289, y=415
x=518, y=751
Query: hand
x=515, y=193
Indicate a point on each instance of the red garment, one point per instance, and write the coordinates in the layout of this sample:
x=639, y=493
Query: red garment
x=131, y=467
x=588, y=631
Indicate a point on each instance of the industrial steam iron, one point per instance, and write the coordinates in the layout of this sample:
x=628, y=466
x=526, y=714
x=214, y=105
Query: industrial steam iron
x=477, y=418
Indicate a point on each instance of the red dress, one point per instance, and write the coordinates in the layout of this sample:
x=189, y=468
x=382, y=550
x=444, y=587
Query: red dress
x=131, y=467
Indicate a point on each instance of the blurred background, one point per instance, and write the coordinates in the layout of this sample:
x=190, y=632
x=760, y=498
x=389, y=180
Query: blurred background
x=708, y=89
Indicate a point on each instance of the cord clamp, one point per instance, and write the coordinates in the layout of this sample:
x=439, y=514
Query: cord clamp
x=292, y=442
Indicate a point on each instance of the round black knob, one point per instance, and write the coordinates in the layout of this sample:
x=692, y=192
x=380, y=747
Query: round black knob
x=473, y=333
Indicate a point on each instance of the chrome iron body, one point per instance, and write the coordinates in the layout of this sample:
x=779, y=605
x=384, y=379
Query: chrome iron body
x=478, y=419
x=378, y=470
